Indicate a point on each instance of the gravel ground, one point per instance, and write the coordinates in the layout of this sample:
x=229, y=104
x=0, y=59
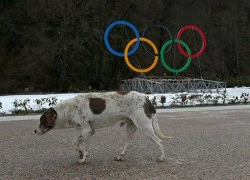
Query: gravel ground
x=205, y=145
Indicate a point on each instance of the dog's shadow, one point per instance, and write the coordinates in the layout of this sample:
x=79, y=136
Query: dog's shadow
x=140, y=158
x=111, y=168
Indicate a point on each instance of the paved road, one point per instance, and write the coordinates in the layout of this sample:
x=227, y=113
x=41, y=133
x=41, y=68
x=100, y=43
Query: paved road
x=181, y=109
x=19, y=118
x=205, y=145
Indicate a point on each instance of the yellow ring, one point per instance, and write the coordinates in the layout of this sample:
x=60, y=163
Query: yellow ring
x=134, y=68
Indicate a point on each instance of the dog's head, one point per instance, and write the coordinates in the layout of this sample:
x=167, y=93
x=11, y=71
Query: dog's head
x=47, y=121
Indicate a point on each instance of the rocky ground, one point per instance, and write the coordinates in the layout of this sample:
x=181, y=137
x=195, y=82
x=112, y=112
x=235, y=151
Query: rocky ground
x=205, y=145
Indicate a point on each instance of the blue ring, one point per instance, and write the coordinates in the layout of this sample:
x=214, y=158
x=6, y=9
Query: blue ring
x=106, y=41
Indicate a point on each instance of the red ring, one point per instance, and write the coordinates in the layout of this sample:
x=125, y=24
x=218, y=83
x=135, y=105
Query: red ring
x=204, y=41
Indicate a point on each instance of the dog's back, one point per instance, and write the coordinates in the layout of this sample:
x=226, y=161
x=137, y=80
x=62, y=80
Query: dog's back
x=122, y=103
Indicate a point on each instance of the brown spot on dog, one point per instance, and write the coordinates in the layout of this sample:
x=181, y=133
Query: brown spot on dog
x=123, y=92
x=97, y=105
x=149, y=109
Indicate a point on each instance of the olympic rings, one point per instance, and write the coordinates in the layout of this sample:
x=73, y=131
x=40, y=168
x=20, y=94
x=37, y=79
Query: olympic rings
x=138, y=39
x=204, y=41
x=106, y=41
x=163, y=60
x=134, y=68
x=158, y=26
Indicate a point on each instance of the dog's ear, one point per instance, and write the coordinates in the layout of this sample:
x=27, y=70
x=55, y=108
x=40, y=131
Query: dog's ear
x=51, y=116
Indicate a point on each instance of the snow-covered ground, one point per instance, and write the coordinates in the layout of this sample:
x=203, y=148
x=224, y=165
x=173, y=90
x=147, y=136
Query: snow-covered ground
x=8, y=101
x=8, y=104
x=232, y=96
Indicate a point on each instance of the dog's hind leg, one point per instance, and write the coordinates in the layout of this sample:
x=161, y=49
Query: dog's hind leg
x=131, y=128
x=147, y=129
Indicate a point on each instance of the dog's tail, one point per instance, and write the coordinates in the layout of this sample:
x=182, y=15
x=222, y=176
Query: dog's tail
x=157, y=129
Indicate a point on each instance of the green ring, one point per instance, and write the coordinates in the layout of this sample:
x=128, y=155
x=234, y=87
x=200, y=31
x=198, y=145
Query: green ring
x=163, y=60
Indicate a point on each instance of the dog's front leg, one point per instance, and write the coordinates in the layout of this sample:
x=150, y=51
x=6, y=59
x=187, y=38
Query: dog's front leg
x=85, y=153
x=86, y=135
x=79, y=140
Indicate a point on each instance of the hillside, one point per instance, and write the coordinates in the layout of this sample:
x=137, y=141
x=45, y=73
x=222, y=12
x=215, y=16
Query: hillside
x=57, y=46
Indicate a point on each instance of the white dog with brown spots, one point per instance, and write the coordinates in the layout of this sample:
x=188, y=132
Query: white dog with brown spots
x=89, y=111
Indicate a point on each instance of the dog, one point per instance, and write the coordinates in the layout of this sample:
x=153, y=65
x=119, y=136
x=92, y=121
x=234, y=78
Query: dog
x=89, y=111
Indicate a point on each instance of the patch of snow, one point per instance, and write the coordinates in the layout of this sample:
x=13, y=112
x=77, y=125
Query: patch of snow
x=233, y=95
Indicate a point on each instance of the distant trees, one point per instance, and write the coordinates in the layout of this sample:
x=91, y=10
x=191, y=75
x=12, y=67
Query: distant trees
x=58, y=45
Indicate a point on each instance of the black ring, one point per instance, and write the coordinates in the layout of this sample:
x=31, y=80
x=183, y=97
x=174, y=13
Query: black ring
x=145, y=31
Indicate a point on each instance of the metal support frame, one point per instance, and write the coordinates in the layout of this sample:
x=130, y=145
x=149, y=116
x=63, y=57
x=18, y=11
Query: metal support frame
x=155, y=84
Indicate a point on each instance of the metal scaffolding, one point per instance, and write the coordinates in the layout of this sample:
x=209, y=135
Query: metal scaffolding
x=155, y=84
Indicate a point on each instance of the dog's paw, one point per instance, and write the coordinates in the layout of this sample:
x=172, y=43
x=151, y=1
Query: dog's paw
x=118, y=158
x=82, y=161
x=92, y=132
x=160, y=159
x=80, y=154
x=122, y=124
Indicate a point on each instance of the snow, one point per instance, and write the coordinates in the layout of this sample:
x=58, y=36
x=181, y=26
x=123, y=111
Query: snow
x=233, y=95
x=8, y=107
